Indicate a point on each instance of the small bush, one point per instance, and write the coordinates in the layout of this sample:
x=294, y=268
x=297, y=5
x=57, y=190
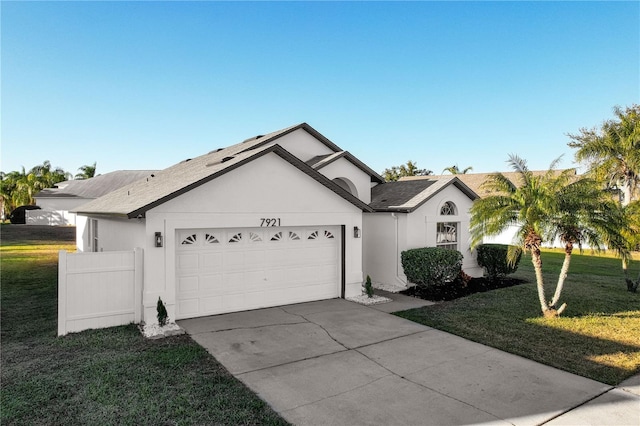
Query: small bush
x=494, y=258
x=431, y=266
x=368, y=287
x=163, y=316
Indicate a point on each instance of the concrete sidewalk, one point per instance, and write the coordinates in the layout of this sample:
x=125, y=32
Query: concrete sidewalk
x=339, y=363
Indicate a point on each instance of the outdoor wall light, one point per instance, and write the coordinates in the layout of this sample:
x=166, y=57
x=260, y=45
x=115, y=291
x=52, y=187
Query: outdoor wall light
x=356, y=232
x=158, y=239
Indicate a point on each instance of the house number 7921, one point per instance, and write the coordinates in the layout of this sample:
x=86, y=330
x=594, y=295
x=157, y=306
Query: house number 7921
x=271, y=221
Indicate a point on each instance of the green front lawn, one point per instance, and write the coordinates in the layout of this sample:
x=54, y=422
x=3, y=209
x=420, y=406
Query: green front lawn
x=101, y=377
x=598, y=336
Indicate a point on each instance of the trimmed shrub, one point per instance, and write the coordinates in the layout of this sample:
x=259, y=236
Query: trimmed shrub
x=431, y=266
x=368, y=287
x=163, y=316
x=494, y=258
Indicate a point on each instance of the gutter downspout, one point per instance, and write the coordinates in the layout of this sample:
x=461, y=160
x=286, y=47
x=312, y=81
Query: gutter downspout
x=397, y=253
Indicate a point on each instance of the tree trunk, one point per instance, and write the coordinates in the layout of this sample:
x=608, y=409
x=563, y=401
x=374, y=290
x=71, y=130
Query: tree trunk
x=568, y=249
x=627, y=192
x=631, y=285
x=537, y=266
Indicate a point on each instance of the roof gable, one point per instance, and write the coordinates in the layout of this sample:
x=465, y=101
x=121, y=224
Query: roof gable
x=321, y=161
x=407, y=195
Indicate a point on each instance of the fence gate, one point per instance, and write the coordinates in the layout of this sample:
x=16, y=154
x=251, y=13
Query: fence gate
x=98, y=290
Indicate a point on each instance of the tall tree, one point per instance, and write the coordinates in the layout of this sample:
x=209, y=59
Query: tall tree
x=454, y=170
x=612, y=152
x=86, y=171
x=545, y=207
x=18, y=188
x=632, y=234
x=48, y=176
x=409, y=169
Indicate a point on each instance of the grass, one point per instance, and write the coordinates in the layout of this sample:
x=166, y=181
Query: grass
x=597, y=337
x=100, y=377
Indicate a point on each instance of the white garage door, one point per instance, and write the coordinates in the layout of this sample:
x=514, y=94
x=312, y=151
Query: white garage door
x=228, y=270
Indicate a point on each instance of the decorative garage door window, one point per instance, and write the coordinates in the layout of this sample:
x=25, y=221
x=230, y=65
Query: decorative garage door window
x=447, y=232
x=221, y=237
x=190, y=239
x=211, y=239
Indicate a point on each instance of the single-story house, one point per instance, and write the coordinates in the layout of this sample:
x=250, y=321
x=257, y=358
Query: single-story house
x=280, y=218
x=57, y=202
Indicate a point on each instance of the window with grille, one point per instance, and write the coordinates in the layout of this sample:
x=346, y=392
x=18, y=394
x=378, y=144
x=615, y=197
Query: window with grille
x=447, y=232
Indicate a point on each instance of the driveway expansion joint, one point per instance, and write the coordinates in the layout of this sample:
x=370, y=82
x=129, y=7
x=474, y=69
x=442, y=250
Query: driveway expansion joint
x=255, y=327
x=338, y=394
x=578, y=405
x=324, y=329
x=423, y=386
x=241, y=373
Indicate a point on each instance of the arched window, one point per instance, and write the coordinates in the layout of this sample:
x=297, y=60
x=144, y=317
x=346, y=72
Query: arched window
x=347, y=185
x=447, y=232
x=448, y=209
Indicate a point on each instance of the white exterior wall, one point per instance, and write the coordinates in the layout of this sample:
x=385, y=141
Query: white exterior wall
x=268, y=187
x=382, y=235
x=114, y=234
x=55, y=211
x=424, y=221
x=343, y=168
x=302, y=145
x=387, y=235
x=50, y=218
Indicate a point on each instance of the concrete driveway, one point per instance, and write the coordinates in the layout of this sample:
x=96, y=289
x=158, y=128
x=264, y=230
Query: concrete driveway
x=335, y=362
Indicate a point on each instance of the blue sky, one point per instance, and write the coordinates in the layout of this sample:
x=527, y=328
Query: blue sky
x=143, y=85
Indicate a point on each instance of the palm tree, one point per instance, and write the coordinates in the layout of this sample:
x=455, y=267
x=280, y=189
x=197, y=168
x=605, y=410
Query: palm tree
x=26, y=186
x=545, y=207
x=48, y=176
x=632, y=235
x=454, y=170
x=409, y=169
x=613, y=151
x=87, y=171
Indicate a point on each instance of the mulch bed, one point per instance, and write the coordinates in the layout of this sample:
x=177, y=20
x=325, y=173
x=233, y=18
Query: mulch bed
x=458, y=289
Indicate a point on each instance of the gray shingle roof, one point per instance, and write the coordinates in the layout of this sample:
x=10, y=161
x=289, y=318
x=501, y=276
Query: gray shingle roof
x=136, y=199
x=96, y=186
x=408, y=195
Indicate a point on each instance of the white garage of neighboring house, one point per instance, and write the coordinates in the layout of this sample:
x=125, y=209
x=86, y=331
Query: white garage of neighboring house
x=276, y=219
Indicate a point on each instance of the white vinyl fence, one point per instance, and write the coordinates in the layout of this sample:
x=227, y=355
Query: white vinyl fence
x=98, y=290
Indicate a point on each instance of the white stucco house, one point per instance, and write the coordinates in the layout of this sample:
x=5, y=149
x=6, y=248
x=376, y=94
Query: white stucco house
x=56, y=203
x=280, y=218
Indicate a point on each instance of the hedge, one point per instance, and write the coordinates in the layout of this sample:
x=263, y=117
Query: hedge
x=431, y=266
x=494, y=258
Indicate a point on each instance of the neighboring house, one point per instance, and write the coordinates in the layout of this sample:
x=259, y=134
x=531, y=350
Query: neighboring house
x=277, y=219
x=57, y=202
x=430, y=212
